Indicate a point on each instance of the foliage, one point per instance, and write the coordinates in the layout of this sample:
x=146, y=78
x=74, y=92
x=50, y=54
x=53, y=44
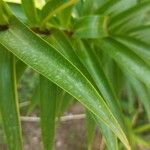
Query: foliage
x=93, y=51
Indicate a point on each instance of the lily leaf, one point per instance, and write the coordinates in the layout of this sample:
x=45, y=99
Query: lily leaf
x=32, y=14
x=127, y=59
x=8, y=100
x=42, y=57
x=90, y=27
x=48, y=95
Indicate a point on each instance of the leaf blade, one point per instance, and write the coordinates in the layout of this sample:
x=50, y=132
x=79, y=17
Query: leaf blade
x=127, y=59
x=9, y=104
x=42, y=55
x=48, y=94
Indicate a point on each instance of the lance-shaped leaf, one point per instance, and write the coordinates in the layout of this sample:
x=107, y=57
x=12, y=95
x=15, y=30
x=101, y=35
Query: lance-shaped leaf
x=143, y=128
x=142, y=33
x=127, y=59
x=84, y=8
x=142, y=94
x=61, y=42
x=17, y=10
x=20, y=68
x=90, y=61
x=35, y=99
x=48, y=95
x=110, y=138
x=130, y=18
x=54, y=7
x=90, y=27
x=30, y=11
x=3, y=17
x=50, y=63
x=140, y=48
x=131, y=97
x=63, y=101
x=115, y=7
x=8, y=100
x=90, y=126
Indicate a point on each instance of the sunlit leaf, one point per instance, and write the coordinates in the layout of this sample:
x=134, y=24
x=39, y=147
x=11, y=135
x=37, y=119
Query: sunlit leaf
x=32, y=14
x=40, y=55
x=53, y=7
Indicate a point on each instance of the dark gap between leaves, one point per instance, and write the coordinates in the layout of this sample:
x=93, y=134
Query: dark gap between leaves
x=3, y=27
x=38, y=31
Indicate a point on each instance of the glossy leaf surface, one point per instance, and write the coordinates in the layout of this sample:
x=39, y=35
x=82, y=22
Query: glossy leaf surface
x=40, y=55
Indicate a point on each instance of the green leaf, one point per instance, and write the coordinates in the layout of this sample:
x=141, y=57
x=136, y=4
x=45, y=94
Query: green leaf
x=17, y=11
x=115, y=7
x=137, y=46
x=40, y=55
x=90, y=61
x=110, y=138
x=142, y=94
x=131, y=97
x=20, y=68
x=90, y=126
x=9, y=108
x=3, y=17
x=54, y=7
x=63, y=101
x=141, y=142
x=48, y=95
x=127, y=59
x=35, y=99
x=30, y=11
x=61, y=42
x=142, y=33
x=65, y=17
x=90, y=27
x=142, y=128
x=130, y=18
x=85, y=7
x=112, y=71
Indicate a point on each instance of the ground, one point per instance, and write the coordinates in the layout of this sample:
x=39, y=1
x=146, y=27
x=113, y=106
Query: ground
x=70, y=135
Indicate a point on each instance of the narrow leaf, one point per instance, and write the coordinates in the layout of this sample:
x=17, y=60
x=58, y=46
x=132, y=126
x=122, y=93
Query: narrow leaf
x=61, y=42
x=17, y=11
x=20, y=68
x=127, y=59
x=90, y=27
x=50, y=63
x=90, y=61
x=142, y=33
x=8, y=100
x=48, y=94
x=115, y=7
x=110, y=138
x=140, y=48
x=54, y=7
x=63, y=102
x=142, y=94
x=90, y=126
x=3, y=17
x=30, y=11
x=130, y=18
